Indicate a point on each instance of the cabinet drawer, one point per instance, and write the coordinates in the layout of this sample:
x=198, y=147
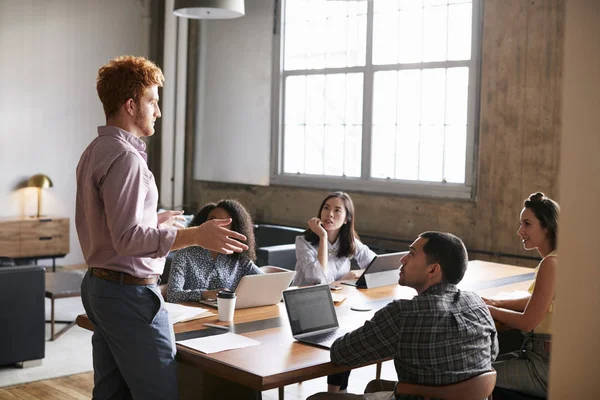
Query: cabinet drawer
x=44, y=237
x=9, y=239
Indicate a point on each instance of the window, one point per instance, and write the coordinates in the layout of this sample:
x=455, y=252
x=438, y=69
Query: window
x=377, y=95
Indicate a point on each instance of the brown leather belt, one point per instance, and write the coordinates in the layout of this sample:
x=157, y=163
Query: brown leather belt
x=547, y=345
x=127, y=279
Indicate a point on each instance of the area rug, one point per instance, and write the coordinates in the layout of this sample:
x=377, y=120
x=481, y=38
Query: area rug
x=69, y=354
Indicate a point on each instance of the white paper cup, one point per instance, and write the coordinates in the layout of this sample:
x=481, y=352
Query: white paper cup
x=226, y=305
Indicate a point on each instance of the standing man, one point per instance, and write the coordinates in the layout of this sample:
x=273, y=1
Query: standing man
x=124, y=240
x=441, y=336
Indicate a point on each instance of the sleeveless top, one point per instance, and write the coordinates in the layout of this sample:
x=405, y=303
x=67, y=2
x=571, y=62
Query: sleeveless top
x=545, y=326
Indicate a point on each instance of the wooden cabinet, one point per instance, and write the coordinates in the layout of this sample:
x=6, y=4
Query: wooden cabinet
x=34, y=237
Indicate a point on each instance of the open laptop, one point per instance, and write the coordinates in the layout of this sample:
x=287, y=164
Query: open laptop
x=312, y=315
x=385, y=266
x=260, y=290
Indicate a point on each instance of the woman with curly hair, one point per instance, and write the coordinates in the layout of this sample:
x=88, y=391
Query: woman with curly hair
x=198, y=273
x=526, y=371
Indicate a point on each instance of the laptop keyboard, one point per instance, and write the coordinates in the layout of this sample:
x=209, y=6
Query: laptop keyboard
x=324, y=337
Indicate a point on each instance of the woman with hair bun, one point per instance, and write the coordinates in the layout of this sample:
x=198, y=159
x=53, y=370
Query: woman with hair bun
x=526, y=371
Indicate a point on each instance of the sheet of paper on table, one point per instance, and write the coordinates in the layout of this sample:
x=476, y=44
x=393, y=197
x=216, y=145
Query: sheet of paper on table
x=181, y=313
x=217, y=343
x=338, y=297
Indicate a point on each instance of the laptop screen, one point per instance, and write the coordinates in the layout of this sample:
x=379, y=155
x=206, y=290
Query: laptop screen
x=310, y=309
x=385, y=262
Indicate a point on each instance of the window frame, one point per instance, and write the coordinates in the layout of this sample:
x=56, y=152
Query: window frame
x=365, y=183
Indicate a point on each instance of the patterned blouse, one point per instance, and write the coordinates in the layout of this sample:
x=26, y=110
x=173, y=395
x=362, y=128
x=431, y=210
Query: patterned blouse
x=193, y=271
x=308, y=267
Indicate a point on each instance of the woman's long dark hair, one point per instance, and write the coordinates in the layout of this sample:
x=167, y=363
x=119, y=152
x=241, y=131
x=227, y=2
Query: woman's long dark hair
x=347, y=232
x=546, y=211
x=241, y=222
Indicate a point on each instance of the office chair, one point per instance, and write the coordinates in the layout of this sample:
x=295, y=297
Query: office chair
x=476, y=388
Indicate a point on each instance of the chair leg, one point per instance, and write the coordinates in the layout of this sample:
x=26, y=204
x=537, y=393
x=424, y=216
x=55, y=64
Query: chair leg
x=281, y=392
x=378, y=371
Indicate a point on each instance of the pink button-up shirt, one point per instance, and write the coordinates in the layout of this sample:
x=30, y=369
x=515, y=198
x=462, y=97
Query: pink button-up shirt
x=115, y=211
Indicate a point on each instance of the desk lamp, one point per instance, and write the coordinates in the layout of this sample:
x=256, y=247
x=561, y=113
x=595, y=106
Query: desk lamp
x=39, y=181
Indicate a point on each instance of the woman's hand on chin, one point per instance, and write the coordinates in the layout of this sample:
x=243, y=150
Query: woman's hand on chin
x=316, y=226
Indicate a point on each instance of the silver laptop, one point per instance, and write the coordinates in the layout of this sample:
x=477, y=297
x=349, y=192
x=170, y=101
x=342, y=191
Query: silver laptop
x=385, y=266
x=260, y=290
x=312, y=315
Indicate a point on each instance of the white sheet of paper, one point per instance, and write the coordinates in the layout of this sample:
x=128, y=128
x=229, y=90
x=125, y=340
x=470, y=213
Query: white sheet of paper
x=338, y=297
x=217, y=343
x=179, y=312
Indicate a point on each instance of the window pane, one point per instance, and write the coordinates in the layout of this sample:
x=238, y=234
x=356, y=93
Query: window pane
x=335, y=99
x=385, y=6
x=317, y=49
x=313, y=159
x=335, y=41
x=357, y=40
x=383, y=151
x=429, y=3
x=385, y=93
x=334, y=150
x=457, y=93
x=320, y=34
x=409, y=97
x=353, y=151
x=407, y=152
x=410, y=40
x=354, y=99
x=315, y=99
x=295, y=100
x=431, y=153
x=433, y=96
x=385, y=38
x=455, y=147
x=295, y=11
x=293, y=139
x=407, y=4
x=434, y=33
x=459, y=32
x=294, y=47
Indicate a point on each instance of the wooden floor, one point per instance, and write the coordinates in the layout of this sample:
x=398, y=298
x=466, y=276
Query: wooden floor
x=79, y=387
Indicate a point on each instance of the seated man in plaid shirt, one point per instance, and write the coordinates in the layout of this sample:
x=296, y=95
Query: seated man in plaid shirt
x=441, y=336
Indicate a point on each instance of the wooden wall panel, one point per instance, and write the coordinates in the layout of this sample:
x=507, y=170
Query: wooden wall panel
x=519, y=141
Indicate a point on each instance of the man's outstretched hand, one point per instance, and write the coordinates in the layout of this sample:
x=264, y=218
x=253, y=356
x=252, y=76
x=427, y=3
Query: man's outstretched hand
x=212, y=235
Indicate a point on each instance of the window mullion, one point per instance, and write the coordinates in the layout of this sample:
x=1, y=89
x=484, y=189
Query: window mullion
x=367, y=117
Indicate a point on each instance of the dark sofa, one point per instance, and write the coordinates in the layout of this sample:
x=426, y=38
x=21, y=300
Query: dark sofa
x=22, y=319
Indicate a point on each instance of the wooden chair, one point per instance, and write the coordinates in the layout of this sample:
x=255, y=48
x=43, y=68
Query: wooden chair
x=477, y=388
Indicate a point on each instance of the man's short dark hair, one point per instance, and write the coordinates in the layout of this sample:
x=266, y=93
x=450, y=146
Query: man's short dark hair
x=448, y=251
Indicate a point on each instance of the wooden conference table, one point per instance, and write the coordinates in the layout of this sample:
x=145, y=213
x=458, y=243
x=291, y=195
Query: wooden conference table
x=280, y=360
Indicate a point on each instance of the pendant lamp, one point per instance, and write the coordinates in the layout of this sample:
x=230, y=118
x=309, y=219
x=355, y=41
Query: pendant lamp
x=209, y=9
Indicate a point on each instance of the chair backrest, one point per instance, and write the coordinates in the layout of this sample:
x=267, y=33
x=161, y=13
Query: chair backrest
x=477, y=388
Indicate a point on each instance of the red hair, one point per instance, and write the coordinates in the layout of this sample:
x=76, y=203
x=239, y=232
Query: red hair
x=124, y=78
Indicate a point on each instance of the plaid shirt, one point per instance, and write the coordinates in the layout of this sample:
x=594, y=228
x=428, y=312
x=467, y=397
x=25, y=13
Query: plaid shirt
x=440, y=337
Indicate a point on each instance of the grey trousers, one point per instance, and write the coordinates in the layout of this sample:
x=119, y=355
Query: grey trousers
x=133, y=342
x=526, y=371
